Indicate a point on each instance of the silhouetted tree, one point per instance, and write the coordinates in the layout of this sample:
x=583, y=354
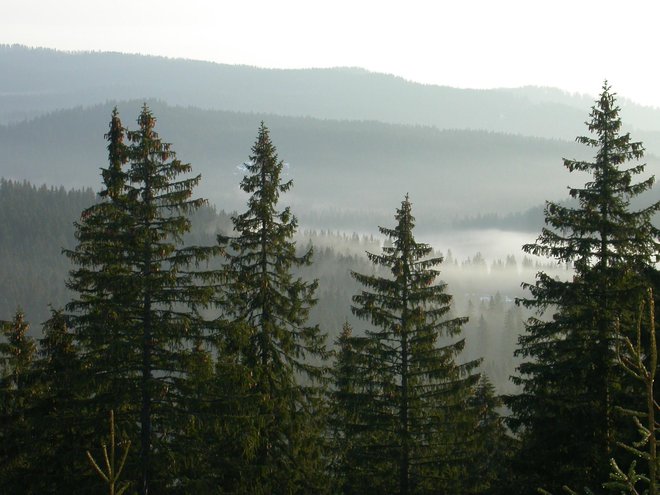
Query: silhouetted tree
x=138, y=291
x=411, y=422
x=269, y=309
x=564, y=414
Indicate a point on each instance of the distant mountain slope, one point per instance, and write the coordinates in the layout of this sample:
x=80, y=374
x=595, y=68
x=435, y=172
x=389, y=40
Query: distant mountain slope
x=36, y=80
x=37, y=222
x=343, y=171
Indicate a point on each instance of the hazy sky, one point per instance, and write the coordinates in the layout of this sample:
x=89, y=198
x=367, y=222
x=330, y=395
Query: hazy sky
x=572, y=45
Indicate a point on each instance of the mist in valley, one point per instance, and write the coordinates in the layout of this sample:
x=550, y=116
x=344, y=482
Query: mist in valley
x=231, y=310
x=477, y=188
x=484, y=271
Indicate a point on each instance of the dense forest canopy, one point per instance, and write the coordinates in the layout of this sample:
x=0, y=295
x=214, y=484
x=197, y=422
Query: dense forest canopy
x=39, y=224
x=286, y=335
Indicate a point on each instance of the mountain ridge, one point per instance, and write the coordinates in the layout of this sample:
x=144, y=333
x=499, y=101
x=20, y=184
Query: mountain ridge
x=345, y=165
x=37, y=80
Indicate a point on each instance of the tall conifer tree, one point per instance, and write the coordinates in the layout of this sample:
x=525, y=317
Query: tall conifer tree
x=105, y=287
x=280, y=350
x=565, y=412
x=139, y=291
x=413, y=424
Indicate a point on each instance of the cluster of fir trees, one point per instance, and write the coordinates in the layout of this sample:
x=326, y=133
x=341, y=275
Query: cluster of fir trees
x=214, y=376
x=236, y=403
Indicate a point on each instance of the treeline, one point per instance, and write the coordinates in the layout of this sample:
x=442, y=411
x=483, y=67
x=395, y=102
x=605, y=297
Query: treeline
x=330, y=160
x=530, y=220
x=215, y=380
x=40, y=80
x=238, y=401
x=37, y=224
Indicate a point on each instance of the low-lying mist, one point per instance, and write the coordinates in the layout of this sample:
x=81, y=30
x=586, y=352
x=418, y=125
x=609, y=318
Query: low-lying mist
x=483, y=268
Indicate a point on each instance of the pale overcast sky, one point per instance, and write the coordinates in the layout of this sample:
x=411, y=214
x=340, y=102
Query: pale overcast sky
x=570, y=44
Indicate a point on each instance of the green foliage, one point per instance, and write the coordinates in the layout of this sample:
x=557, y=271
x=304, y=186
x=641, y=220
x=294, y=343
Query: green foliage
x=346, y=405
x=38, y=274
x=408, y=423
x=56, y=414
x=238, y=404
x=36, y=223
x=283, y=355
x=570, y=385
x=41, y=410
x=17, y=353
x=566, y=490
x=139, y=293
x=489, y=471
x=639, y=359
x=627, y=482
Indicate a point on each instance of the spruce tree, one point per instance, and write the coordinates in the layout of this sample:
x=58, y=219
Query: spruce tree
x=42, y=444
x=281, y=352
x=639, y=359
x=490, y=471
x=347, y=404
x=17, y=392
x=57, y=441
x=139, y=292
x=413, y=423
x=564, y=414
x=218, y=435
x=196, y=439
x=105, y=287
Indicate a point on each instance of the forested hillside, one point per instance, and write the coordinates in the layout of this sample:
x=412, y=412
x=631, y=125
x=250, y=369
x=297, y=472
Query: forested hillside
x=37, y=224
x=331, y=161
x=38, y=80
x=382, y=130
x=335, y=307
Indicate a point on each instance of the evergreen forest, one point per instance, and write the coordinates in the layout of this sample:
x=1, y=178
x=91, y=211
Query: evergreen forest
x=152, y=343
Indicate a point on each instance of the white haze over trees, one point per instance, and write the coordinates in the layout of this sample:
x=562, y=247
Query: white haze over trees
x=466, y=108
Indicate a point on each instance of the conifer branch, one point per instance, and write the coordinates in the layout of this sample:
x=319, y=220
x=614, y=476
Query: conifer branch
x=112, y=473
